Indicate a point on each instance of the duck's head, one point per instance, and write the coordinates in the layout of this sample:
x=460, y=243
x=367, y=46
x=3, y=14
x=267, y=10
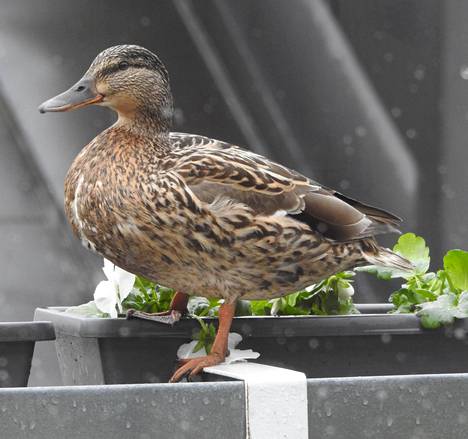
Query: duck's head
x=129, y=79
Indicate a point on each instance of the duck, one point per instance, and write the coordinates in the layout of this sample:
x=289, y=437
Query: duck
x=200, y=215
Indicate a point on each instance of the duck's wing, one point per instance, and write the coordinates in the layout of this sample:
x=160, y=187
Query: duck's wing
x=216, y=170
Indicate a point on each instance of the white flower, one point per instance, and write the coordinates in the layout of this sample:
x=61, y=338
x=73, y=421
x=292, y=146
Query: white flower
x=109, y=293
x=186, y=350
x=345, y=290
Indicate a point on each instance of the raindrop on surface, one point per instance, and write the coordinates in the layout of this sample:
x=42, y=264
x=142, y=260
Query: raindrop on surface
x=202, y=418
x=145, y=21
x=418, y=420
x=4, y=409
x=378, y=35
x=464, y=72
x=330, y=430
x=461, y=418
x=459, y=333
x=386, y=338
x=128, y=424
x=419, y=73
x=347, y=139
x=389, y=421
x=154, y=403
x=361, y=131
x=32, y=425
x=396, y=112
x=365, y=402
x=413, y=88
x=389, y=57
x=322, y=392
x=328, y=411
x=411, y=133
x=442, y=169
x=344, y=184
x=349, y=150
x=206, y=401
x=124, y=332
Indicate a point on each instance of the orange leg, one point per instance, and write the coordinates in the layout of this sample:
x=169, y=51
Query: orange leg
x=177, y=309
x=218, y=351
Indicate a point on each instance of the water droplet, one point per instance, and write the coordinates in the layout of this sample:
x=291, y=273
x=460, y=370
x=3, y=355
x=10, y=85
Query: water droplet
x=464, y=72
x=418, y=420
x=344, y=184
x=328, y=411
x=389, y=421
x=396, y=112
x=419, y=73
x=145, y=21
x=361, y=131
x=411, y=133
x=386, y=338
x=365, y=402
x=389, y=57
x=206, y=401
x=128, y=424
x=202, y=418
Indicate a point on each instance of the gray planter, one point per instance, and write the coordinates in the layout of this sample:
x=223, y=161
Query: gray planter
x=17, y=341
x=115, y=351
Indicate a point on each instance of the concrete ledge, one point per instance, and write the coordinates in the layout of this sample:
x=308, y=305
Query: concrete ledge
x=416, y=407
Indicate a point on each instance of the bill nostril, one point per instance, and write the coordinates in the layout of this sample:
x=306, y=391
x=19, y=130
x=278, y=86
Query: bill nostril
x=80, y=88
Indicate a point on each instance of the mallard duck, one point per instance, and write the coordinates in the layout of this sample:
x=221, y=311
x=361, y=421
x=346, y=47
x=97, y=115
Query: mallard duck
x=201, y=215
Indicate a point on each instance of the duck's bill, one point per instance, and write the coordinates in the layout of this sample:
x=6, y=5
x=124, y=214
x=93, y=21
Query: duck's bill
x=82, y=94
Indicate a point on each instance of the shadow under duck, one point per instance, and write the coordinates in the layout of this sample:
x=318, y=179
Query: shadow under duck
x=197, y=214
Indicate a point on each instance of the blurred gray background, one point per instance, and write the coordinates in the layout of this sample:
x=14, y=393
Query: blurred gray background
x=366, y=96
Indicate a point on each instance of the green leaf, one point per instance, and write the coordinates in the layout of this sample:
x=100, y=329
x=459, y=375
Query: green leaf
x=439, y=312
x=414, y=249
x=243, y=308
x=456, y=268
x=382, y=273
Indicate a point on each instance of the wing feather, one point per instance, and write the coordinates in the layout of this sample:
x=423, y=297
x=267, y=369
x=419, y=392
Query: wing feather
x=216, y=170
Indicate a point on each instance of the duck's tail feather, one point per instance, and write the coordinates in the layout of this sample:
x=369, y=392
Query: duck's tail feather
x=384, y=257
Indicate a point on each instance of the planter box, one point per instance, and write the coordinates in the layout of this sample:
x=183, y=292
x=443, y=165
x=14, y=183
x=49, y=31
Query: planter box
x=17, y=341
x=113, y=351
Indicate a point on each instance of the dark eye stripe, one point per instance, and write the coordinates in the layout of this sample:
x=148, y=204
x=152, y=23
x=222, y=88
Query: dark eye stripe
x=115, y=67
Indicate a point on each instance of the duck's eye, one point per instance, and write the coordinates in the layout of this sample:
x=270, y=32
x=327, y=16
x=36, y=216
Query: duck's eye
x=123, y=65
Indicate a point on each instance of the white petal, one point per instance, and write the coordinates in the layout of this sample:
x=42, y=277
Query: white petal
x=124, y=281
x=241, y=355
x=108, y=269
x=105, y=297
x=234, y=339
x=186, y=350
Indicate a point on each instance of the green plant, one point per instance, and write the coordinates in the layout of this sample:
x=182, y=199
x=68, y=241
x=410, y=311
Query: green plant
x=436, y=297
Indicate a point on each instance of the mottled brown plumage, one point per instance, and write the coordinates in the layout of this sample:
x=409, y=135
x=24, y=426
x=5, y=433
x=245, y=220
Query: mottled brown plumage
x=200, y=215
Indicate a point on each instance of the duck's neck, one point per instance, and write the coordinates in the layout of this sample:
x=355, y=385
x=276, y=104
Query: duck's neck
x=147, y=122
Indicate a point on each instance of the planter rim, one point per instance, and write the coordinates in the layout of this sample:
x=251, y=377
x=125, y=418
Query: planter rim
x=374, y=322
x=26, y=331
